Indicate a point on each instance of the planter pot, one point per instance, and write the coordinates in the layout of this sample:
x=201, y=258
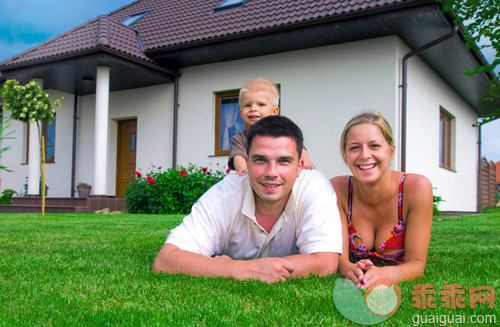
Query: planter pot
x=83, y=191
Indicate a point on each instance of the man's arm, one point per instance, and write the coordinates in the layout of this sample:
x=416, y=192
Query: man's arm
x=173, y=260
x=320, y=263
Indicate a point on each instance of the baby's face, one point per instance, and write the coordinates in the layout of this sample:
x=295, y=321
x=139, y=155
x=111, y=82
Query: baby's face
x=256, y=105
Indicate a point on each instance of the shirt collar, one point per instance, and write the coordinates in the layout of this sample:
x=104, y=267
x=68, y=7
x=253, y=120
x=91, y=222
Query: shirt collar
x=248, y=207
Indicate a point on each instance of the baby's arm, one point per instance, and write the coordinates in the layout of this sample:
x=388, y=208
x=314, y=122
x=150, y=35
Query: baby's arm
x=307, y=161
x=240, y=165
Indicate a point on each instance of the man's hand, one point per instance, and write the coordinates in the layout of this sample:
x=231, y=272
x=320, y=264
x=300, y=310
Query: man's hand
x=269, y=270
x=172, y=260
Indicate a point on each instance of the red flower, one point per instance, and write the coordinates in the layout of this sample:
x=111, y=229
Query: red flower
x=138, y=173
x=183, y=173
x=228, y=170
x=204, y=169
x=150, y=180
x=208, y=173
x=159, y=168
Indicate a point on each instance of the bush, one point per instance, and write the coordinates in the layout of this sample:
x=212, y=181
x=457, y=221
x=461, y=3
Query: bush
x=6, y=197
x=170, y=191
x=491, y=209
x=436, y=200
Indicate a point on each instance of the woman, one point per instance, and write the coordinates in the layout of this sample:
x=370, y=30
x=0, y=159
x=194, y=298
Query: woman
x=386, y=215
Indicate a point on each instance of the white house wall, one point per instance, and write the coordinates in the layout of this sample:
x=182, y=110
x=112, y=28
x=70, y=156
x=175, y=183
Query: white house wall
x=14, y=158
x=55, y=173
x=153, y=109
x=427, y=92
x=321, y=89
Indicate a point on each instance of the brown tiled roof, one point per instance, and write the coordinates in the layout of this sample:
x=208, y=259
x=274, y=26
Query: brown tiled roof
x=179, y=23
x=97, y=33
x=171, y=23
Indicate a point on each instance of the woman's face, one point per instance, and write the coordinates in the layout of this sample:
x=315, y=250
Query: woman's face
x=368, y=154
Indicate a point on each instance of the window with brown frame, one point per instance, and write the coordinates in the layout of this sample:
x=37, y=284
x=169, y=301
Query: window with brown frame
x=49, y=135
x=445, y=139
x=228, y=120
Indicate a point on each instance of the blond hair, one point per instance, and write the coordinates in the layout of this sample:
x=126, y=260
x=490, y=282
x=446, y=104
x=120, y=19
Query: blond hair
x=261, y=84
x=374, y=118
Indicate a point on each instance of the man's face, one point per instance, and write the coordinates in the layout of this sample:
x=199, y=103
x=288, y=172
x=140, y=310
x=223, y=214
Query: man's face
x=273, y=166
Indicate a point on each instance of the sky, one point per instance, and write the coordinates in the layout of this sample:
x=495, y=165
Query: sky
x=27, y=23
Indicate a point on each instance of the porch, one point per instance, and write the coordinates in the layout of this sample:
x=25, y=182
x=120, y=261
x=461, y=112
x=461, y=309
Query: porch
x=64, y=205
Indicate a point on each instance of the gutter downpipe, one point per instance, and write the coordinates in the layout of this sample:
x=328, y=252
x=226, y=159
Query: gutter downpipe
x=479, y=141
x=73, y=151
x=176, y=115
x=404, y=87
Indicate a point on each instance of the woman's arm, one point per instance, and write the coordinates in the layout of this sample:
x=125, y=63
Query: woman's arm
x=353, y=272
x=418, y=197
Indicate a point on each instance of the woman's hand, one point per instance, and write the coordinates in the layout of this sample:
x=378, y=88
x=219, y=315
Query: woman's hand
x=373, y=273
x=356, y=272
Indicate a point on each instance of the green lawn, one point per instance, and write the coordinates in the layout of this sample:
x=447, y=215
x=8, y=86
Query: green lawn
x=95, y=270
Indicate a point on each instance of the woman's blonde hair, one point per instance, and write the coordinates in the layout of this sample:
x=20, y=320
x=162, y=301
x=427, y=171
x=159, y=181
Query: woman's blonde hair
x=374, y=118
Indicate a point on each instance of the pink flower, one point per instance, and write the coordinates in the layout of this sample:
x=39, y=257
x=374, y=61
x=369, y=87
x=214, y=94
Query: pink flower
x=138, y=173
x=183, y=173
x=150, y=180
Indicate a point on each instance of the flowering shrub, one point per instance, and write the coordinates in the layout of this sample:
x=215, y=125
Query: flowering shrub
x=170, y=191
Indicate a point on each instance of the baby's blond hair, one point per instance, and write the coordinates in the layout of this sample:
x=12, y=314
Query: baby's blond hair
x=261, y=84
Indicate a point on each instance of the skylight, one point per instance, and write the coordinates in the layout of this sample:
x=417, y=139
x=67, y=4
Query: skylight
x=134, y=18
x=229, y=4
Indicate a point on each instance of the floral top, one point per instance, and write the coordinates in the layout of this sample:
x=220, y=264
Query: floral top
x=391, y=251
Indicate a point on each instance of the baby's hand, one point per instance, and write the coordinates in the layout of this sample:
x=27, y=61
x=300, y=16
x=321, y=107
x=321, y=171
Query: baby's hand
x=242, y=172
x=308, y=165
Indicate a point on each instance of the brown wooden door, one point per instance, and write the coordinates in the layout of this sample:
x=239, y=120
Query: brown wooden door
x=126, y=154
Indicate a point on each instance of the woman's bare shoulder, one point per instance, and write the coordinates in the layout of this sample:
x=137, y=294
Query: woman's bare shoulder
x=340, y=183
x=417, y=182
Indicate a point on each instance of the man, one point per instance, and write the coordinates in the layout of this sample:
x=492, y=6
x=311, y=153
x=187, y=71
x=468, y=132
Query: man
x=276, y=223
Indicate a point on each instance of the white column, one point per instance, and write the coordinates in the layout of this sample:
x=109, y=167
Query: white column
x=34, y=160
x=101, y=131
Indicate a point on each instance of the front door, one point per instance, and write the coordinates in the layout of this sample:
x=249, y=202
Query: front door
x=126, y=150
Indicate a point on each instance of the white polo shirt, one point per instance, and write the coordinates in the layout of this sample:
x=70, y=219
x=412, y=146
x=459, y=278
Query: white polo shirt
x=223, y=221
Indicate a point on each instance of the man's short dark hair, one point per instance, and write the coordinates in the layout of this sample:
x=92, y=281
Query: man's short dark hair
x=276, y=126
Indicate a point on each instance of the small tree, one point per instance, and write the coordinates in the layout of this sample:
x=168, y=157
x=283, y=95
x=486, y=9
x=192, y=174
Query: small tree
x=29, y=104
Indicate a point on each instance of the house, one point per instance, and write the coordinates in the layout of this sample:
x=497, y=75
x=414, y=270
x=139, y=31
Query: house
x=155, y=83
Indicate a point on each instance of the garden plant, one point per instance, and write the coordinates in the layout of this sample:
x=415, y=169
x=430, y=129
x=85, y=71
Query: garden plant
x=173, y=190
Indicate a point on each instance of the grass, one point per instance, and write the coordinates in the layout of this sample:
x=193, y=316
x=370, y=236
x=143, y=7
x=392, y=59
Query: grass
x=95, y=270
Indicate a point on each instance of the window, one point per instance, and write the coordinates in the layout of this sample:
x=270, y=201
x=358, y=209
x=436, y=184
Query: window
x=228, y=120
x=229, y=4
x=134, y=18
x=446, y=139
x=49, y=134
